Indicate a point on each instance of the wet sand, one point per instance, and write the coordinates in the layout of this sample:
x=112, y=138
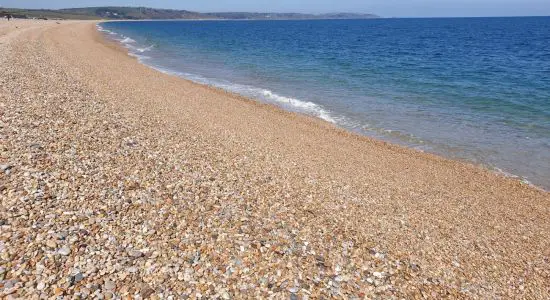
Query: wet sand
x=122, y=181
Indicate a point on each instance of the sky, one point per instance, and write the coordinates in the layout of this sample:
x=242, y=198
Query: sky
x=385, y=8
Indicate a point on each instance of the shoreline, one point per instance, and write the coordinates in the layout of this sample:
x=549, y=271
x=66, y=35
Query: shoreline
x=481, y=165
x=139, y=183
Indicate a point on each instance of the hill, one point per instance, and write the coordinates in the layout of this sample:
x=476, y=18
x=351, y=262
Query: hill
x=286, y=16
x=145, y=13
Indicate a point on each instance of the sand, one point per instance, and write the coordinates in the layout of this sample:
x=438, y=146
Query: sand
x=119, y=181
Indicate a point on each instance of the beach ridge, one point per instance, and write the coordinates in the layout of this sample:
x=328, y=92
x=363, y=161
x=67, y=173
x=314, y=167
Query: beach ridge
x=135, y=182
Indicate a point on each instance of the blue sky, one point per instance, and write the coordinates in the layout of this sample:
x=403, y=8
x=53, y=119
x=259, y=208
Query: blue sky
x=386, y=8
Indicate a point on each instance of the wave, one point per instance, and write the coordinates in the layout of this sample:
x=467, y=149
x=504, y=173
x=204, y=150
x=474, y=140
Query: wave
x=145, y=49
x=139, y=57
x=137, y=49
x=307, y=106
x=129, y=43
x=127, y=40
x=99, y=28
x=260, y=94
x=294, y=104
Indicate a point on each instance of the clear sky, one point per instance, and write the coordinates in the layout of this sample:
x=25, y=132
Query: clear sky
x=385, y=8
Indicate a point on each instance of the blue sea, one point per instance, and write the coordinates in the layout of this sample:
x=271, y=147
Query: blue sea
x=473, y=89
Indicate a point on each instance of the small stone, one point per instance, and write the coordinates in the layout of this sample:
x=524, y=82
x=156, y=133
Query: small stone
x=225, y=295
x=294, y=290
x=62, y=235
x=122, y=275
x=109, y=285
x=85, y=292
x=51, y=244
x=78, y=277
x=9, y=284
x=132, y=269
x=64, y=251
x=5, y=168
x=40, y=286
x=146, y=291
x=378, y=274
x=414, y=267
x=131, y=143
x=135, y=253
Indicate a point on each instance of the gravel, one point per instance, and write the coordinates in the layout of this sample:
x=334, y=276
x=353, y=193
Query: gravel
x=121, y=182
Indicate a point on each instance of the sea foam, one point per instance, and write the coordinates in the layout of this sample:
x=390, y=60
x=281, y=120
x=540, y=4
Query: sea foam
x=429, y=96
x=127, y=40
x=260, y=94
x=264, y=95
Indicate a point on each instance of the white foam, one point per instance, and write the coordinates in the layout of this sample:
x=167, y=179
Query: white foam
x=264, y=95
x=101, y=29
x=131, y=45
x=127, y=40
x=522, y=179
x=139, y=57
x=302, y=106
x=145, y=49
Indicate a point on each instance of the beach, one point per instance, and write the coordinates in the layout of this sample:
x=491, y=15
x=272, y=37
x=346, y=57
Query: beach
x=120, y=181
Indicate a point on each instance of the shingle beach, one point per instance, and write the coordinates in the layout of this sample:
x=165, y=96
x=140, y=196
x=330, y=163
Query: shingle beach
x=121, y=182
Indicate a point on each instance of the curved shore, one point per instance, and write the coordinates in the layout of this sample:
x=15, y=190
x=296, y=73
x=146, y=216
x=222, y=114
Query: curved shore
x=121, y=181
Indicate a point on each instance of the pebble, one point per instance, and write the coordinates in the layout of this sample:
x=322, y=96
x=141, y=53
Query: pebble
x=64, y=251
x=135, y=253
x=122, y=194
x=6, y=169
x=146, y=291
x=109, y=285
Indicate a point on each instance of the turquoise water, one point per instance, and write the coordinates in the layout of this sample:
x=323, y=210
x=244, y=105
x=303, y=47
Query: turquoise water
x=476, y=89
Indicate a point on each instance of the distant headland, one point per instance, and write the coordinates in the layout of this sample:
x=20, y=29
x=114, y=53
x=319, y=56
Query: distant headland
x=145, y=13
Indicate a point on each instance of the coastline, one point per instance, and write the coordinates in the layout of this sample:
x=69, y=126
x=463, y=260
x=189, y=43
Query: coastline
x=294, y=179
x=478, y=147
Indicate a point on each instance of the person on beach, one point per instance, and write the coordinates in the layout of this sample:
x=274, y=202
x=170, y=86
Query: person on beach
x=9, y=17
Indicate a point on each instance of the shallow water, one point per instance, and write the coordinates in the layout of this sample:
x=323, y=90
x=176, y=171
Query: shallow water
x=476, y=89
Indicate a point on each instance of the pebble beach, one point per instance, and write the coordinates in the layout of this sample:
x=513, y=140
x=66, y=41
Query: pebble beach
x=121, y=182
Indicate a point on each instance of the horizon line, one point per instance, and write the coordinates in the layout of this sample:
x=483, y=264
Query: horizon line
x=288, y=12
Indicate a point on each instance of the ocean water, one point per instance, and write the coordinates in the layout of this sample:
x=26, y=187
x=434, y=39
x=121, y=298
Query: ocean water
x=474, y=89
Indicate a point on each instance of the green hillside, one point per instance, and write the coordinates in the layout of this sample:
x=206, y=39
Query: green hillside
x=144, y=13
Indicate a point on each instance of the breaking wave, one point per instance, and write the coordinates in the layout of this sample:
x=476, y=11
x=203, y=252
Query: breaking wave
x=261, y=94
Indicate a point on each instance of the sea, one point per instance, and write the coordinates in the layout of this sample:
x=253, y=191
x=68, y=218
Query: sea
x=472, y=89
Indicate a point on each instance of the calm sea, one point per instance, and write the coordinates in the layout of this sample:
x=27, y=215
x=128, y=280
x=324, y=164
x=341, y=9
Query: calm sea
x=476, y=89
